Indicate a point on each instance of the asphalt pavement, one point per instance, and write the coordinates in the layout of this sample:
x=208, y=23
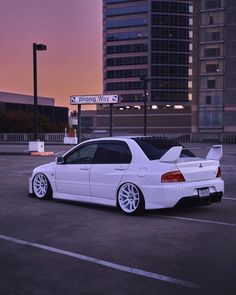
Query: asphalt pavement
x=51, y=247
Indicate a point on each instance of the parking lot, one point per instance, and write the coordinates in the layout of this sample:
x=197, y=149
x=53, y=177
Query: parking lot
x=52, y=247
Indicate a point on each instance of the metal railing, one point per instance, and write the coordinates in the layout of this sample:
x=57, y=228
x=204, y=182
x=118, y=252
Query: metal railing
x=59, y=137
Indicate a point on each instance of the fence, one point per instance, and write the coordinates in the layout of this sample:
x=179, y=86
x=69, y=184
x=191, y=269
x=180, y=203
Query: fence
x=59, y=137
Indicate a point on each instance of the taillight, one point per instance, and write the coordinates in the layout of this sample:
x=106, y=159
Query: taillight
x=173, y=176
x=218, y=174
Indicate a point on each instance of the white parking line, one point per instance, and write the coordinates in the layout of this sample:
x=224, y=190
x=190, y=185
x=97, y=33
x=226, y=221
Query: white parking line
x=197, y=220
x=105, y=263
x=228, y=198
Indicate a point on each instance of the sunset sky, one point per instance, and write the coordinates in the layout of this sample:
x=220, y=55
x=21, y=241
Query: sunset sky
x=72, y=31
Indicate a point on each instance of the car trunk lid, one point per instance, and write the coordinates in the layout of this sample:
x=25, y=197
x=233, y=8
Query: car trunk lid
x=197, y=169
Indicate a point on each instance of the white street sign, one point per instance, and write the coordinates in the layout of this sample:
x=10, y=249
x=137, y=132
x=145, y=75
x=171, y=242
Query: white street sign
x=94, y=99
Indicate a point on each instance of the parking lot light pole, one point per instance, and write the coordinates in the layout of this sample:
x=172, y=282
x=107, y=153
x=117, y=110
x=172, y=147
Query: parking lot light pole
x=39, y=47
x=145, y=81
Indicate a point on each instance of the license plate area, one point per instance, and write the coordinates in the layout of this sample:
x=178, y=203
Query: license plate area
x=203, y=192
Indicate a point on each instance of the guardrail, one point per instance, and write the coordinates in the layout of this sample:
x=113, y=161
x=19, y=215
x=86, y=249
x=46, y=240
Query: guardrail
x=59, y=137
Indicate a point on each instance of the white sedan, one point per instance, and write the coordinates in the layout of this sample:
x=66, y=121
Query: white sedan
x=134, y=174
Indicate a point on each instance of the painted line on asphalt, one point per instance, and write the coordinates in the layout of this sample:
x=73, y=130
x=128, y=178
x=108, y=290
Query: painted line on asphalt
x=105, y=263
x=197, y=220
x=228, y=198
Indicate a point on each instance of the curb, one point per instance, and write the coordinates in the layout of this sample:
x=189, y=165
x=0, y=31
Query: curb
x=42, y=154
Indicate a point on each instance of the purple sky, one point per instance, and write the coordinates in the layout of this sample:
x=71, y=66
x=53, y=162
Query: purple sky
x=72, y=30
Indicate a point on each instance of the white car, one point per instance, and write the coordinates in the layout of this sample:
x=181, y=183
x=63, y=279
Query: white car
x=134, y=174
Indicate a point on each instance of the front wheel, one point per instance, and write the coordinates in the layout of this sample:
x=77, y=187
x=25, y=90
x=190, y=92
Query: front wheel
x=130, y=199
x=41, y=187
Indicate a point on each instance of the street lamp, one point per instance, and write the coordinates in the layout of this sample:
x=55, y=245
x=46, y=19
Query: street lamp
x=145, y=81
x=39, y=47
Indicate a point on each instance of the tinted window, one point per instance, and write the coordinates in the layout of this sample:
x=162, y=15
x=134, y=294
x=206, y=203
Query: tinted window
x=113, y=153
x=154, y=149
x=82, y=155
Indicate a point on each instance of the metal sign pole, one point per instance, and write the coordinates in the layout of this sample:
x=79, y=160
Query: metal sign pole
x=78, y=131
x=111, y=120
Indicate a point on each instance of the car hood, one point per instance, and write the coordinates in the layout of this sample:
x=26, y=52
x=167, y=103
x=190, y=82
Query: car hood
x=45, y=167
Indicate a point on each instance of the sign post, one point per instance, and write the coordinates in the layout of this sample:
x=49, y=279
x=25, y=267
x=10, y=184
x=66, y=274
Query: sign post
x=93, y=99
x=78, y=129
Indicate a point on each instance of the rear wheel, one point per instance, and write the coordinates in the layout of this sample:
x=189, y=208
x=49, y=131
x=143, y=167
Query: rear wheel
x=130, y=199
x=41, y=187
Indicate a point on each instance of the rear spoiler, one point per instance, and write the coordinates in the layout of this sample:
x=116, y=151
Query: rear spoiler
x=172, y=155
x=215, y=153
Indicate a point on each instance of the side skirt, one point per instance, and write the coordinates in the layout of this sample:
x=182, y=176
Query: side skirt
x=84, y=199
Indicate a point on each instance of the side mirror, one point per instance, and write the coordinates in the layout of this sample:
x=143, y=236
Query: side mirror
x=59, y=160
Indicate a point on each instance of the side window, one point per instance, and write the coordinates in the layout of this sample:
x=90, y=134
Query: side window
x=82, y=155
x=113, y=153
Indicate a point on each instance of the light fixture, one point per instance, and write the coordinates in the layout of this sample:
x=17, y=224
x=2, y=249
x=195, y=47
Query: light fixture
x=178, y=107
x=154, y=107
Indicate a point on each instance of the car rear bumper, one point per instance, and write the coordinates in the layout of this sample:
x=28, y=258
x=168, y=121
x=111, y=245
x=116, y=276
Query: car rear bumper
x=171, y=194
x=197, y=201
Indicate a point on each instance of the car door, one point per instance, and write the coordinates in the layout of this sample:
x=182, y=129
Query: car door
x=72, y=176
x=111, y=161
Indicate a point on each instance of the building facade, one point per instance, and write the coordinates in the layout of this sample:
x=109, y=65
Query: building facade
x=14, y=105
x=214, y=101
x=149, y=41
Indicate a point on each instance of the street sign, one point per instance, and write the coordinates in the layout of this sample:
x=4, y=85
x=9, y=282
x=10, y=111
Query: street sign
x=94, y=99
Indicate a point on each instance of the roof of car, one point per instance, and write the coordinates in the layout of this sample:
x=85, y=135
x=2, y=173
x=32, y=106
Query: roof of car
x=139, y=138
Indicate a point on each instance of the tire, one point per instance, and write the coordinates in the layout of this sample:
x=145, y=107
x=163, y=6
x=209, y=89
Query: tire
x=41, y=187
x=130, y=199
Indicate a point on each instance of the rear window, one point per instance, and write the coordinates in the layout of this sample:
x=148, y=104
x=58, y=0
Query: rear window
x=155, y=148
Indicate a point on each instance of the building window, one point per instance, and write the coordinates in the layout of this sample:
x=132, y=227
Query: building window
x=126, y=73
x=124, y=61
x=211, y=4
x=127, y=48
x=208, y=99
x=127, y=36
x=212, y=52
x=211, y=20
x=215, y=36
x=212, y=68
x=174, y=20
x=123, y=23
x=169, y=58
x=210, y=119
x=211, y=83
x=126, y=10
x=124, y=86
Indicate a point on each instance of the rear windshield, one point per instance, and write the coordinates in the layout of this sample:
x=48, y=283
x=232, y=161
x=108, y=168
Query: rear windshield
x=154, y=149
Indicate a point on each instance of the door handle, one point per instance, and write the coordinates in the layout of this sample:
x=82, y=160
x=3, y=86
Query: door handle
x=120, y=168
x=84, y=168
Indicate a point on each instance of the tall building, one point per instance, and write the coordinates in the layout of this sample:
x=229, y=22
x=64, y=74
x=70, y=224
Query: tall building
x=214, y=99
x=151, y=40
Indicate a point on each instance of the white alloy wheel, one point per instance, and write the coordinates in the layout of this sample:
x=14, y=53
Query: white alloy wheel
x=41, y=186
x=130, y=198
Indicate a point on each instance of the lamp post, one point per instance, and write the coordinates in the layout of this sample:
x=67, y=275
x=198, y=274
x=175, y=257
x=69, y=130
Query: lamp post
x=145, y=81
x=39, y=47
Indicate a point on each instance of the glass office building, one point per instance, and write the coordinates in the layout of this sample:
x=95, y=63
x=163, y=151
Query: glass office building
x=152, y=39
x=214, y=102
